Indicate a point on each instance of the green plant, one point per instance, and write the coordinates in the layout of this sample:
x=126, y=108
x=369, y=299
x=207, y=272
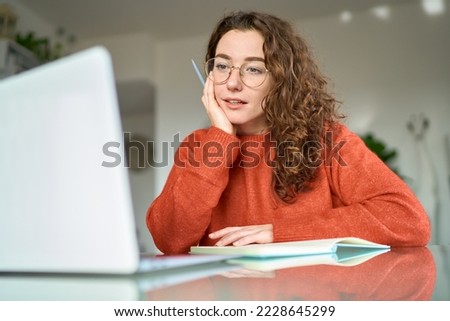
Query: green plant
x=380, y=148
x=41, y=47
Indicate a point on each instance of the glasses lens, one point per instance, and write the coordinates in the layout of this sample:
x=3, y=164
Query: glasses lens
x=219, y=68
x=252, y=73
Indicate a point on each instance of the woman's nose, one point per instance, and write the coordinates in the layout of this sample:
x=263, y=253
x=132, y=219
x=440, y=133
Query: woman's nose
x=234, y=82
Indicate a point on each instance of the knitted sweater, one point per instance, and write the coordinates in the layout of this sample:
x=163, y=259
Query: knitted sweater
x=220, y=180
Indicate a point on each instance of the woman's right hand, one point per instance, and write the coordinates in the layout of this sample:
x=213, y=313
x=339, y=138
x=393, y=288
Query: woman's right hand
x=215, y=113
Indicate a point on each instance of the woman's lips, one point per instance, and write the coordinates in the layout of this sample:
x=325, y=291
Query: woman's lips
x=234, y=103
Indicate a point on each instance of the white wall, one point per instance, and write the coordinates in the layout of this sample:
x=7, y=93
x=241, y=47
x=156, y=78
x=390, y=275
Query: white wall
x=179, y=108
x=29, y=21
x=134, y=60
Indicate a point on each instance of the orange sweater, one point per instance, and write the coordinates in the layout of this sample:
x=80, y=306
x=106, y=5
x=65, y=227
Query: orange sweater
x=220, y=180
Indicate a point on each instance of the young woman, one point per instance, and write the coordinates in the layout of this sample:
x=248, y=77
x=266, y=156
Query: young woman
x=276, y=164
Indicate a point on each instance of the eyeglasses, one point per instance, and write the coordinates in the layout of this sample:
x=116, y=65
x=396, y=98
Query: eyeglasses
x=253, y=73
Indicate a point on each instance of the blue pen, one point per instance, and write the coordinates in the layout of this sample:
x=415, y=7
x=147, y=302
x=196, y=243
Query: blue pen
x=199, y=74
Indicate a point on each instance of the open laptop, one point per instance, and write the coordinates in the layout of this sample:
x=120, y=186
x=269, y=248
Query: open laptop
x=61, y=209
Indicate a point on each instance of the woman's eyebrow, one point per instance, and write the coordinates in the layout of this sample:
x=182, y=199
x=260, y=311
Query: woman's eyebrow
x=255, y=59
x=251, y=58
x=223, y=56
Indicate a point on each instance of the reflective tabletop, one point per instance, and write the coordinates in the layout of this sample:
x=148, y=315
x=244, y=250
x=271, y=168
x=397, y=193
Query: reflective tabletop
x=421, y=273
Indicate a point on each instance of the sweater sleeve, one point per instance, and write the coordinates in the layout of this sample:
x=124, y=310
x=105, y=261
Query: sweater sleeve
x=369, y=201
x=180, y=215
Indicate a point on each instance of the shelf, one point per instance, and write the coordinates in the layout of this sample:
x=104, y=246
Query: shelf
x=14, y=58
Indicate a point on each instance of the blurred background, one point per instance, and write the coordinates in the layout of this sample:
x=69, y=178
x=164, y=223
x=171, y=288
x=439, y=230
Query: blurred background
x=388, y=62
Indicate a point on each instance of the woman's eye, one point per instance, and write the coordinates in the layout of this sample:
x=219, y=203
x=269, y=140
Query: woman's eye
x=254, y=70
x=222, y=67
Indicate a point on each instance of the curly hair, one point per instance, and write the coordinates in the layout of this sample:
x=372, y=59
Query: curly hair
x=298, y=107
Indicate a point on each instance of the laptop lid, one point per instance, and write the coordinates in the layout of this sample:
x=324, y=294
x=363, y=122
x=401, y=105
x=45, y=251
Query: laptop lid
x=61, y=210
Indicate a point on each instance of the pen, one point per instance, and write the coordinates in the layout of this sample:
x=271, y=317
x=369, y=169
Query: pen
x=197, y=71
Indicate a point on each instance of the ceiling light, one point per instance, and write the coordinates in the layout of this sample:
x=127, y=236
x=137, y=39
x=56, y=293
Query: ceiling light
x=433, y=7
x=382, y=12
x=346, y=16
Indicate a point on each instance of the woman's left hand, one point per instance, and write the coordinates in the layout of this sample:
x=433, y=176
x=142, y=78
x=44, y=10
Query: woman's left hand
x=243, y=235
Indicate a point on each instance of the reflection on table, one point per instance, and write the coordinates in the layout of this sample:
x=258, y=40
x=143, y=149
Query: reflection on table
x=400, y=274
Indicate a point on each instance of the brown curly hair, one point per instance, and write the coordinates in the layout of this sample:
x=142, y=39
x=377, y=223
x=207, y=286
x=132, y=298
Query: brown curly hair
x=297, y=107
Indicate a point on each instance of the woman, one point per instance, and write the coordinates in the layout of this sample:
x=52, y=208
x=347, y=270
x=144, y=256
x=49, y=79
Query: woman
x=276, y=164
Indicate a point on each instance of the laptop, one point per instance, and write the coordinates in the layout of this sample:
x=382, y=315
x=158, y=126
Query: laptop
x=63, y=207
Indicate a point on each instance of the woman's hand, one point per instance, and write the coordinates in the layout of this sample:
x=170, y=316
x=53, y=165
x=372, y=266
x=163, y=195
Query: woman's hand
x=215, y=113
x=243, y=235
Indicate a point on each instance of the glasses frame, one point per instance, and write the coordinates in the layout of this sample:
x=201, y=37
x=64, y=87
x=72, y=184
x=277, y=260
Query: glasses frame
x=232, y=67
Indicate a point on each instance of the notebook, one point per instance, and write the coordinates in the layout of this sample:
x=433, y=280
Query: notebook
x=344, y=256
x=293, y=248
x=63, y=207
